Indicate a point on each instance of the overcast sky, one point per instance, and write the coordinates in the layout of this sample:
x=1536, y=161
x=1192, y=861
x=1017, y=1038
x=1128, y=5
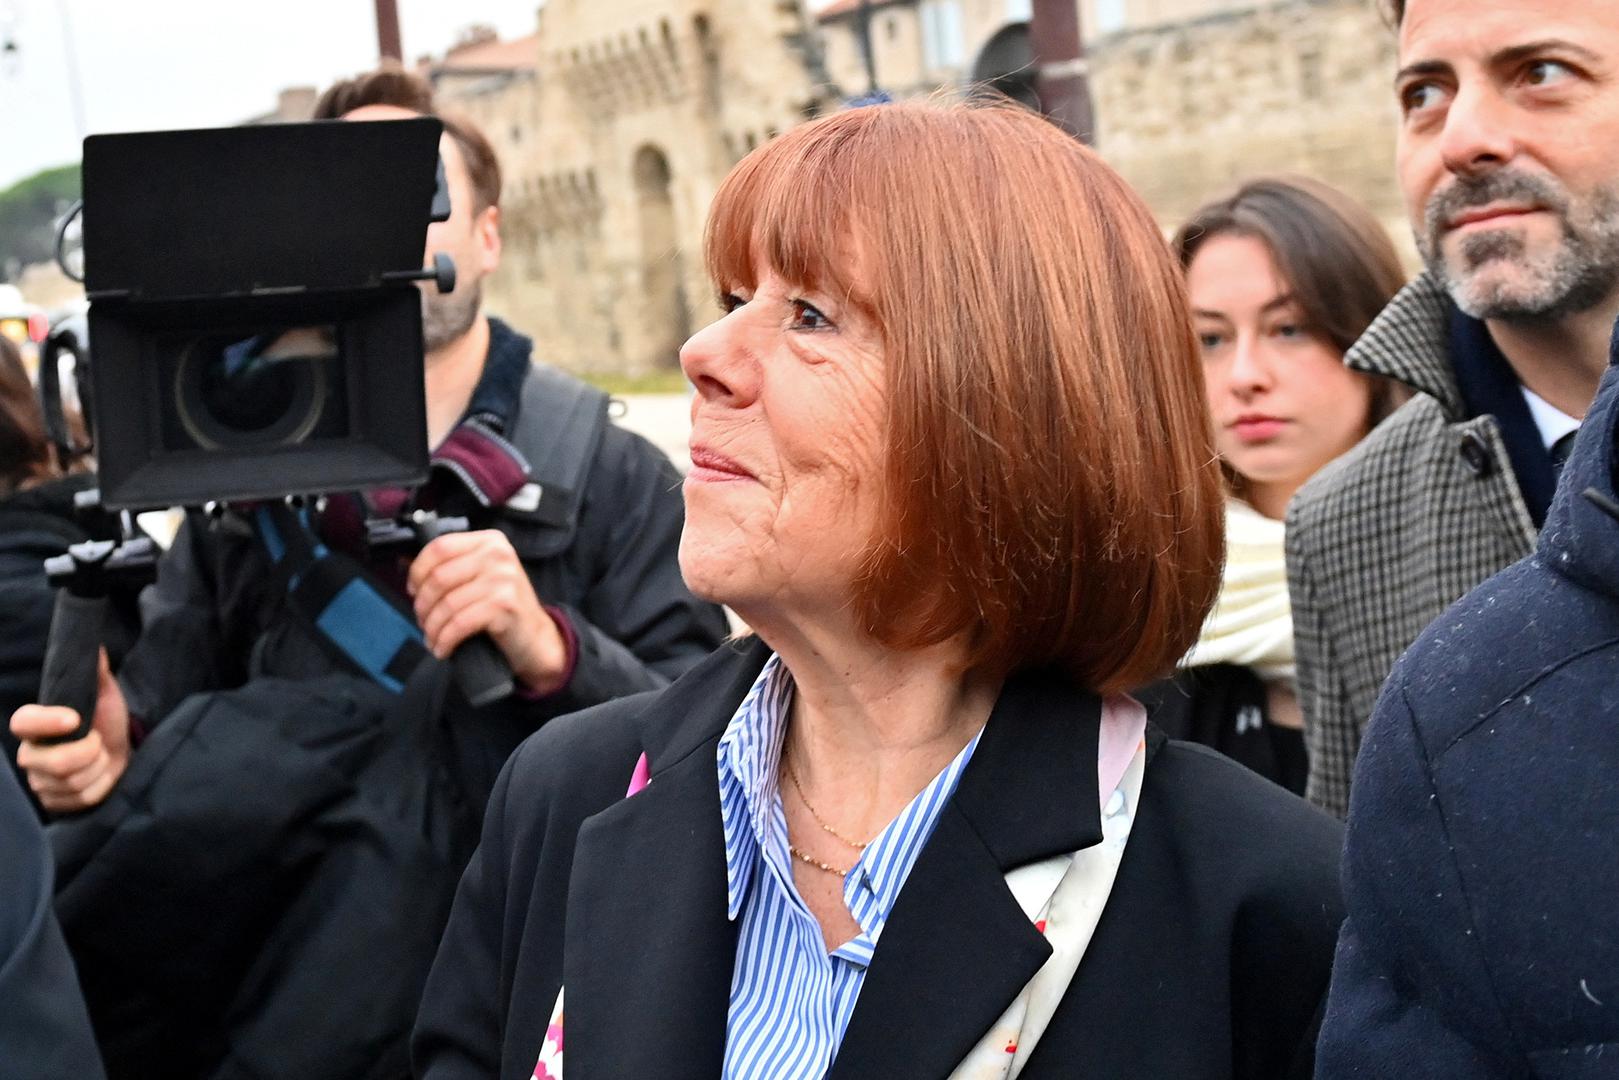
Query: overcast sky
x=157, y=64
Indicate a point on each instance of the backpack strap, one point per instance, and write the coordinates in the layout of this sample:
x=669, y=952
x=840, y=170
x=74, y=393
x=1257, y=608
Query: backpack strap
x=351, y=613
x=560, y=425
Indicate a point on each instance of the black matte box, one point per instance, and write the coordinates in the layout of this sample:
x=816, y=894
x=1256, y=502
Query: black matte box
x=242, y=231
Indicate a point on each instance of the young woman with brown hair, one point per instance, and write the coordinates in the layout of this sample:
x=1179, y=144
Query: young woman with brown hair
x=1283, y=276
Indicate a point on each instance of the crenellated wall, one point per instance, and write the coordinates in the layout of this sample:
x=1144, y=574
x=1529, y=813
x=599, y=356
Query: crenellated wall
x=640, y=107
x=1304, y=86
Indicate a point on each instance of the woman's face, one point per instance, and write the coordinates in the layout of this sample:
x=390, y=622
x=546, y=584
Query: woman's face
x=1282, y=401
x=786, y=442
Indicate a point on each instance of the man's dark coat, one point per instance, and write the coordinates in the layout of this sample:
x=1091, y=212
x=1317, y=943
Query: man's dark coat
x=1482, y=858
x=44, y=1028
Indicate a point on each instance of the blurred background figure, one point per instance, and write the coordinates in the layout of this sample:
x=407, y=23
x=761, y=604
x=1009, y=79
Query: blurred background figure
x=1283, y=276
x=37, y=521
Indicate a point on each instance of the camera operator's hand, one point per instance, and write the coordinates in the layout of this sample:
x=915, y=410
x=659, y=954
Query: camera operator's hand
x=471, y=583
x=74, y=776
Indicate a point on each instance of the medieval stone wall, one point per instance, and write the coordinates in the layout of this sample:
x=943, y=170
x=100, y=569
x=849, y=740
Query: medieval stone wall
x=614, y=148
x=1187, y=110
x=640, y=108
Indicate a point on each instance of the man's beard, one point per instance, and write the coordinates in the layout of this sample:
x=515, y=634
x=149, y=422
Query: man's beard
x=446, y=316
x=1578, y=274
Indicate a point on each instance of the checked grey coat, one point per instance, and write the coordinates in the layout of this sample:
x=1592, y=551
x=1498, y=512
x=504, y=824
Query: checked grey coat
x=1384, y=539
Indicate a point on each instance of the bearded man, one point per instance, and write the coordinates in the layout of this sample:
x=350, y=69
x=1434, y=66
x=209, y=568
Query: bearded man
x=1508, y=158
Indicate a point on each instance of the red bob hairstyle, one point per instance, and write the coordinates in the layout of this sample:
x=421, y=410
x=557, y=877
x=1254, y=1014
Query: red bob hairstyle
x=1051, y=487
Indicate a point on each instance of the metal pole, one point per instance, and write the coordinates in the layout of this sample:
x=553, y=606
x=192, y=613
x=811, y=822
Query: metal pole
x=389, y=46
x=71, y=56
x=1062, y=81
x=867, y=49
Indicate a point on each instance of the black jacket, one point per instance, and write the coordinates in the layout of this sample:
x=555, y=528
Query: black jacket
x=1480, y=871
x=1209, y=964
x=44, y=1029
x=262, y=893
x=1227, y=707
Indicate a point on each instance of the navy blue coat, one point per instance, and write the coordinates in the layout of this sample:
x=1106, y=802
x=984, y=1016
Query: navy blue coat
x=1482, y=861
x=44, y=1027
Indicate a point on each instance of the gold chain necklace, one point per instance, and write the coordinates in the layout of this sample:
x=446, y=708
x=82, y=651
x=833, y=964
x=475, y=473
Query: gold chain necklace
x=792, y=776
x=817, y=863
x=798, y=853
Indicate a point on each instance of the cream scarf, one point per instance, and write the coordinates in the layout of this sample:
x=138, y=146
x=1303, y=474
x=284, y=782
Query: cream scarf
x=1064, y=897
x=1252, y=621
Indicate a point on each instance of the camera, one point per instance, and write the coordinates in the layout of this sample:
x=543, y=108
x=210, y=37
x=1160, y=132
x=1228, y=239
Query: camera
x=254, y=313
x=256, y=328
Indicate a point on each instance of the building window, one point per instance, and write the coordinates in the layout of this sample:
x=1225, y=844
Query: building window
x=1019, y=10
x=1110, y=16
x=942, y=42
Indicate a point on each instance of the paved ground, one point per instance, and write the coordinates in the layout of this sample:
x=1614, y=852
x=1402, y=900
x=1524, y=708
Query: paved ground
x=663, y=419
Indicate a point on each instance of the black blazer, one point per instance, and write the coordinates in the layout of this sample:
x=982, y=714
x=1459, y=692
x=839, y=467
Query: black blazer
x=1226, y=707
x=1210, y=962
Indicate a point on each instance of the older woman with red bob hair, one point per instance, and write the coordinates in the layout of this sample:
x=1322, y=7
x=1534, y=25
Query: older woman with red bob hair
x=953, y=465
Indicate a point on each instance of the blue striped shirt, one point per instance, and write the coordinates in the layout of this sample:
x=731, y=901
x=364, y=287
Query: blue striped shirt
x=790, y=1000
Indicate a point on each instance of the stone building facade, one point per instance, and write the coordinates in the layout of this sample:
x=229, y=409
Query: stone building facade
x=1189, y=108
x=919, y=46
x=617, y=119
x=494, y=84
x=1190, y=96
x=637, y=110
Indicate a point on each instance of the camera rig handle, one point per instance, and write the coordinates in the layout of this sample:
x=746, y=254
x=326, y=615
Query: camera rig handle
x=84, y=578
x=479, y=667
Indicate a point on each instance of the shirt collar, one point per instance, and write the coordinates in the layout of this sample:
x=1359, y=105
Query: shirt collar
x=1490, y=387
x=1553, y=422
x=749, y=756
x=749, y=759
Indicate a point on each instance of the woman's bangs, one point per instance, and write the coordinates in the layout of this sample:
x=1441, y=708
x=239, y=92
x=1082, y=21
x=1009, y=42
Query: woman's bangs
x=787, y=203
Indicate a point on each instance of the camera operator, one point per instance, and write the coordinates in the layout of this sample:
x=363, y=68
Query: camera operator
x=581, y=593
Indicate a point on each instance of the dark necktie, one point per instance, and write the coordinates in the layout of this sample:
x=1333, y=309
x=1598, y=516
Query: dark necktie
x=1560, y=451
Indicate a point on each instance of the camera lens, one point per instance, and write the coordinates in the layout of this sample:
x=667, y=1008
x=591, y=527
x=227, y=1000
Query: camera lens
x=266, y=389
